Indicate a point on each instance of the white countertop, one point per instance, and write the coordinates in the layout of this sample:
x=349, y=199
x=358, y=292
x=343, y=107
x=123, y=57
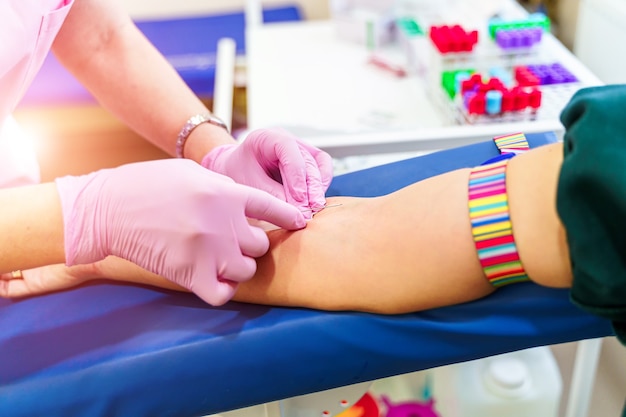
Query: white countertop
x=303, y=77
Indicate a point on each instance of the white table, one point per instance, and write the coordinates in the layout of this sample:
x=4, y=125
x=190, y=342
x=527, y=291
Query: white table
x=302, y=77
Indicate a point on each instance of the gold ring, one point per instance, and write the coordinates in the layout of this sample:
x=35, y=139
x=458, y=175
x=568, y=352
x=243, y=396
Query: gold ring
x=17, y=274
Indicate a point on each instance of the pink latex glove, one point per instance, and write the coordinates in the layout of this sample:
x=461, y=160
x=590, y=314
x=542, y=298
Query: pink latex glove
x=275, y=161
x=173, y=218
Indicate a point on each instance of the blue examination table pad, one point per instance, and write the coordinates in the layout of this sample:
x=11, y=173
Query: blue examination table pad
x=121, y=350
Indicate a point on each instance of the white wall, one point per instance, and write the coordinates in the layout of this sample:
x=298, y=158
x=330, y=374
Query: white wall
x=600, y=41
x=312, y=9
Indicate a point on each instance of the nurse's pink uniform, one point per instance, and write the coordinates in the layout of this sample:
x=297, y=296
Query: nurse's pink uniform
x=27, y=30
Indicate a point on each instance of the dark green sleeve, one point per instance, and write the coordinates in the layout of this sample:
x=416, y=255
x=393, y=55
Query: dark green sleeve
x=591, y=200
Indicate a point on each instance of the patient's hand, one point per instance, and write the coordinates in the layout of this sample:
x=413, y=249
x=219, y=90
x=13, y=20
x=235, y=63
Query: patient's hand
x=44, y=280
x=59, y=277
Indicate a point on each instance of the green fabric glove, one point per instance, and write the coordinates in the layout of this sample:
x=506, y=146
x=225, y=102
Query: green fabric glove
x=591, y=200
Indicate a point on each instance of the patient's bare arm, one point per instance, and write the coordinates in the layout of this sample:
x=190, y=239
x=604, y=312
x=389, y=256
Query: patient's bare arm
x=407, y=251
x=413, y=249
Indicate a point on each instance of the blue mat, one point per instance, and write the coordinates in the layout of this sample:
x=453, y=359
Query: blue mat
x=117, y=350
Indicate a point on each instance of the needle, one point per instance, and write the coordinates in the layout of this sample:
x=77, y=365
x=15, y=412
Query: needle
x=317, y=210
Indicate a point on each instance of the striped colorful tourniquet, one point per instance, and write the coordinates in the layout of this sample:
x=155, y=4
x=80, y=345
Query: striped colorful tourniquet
x=515, y=143
x=491, y=223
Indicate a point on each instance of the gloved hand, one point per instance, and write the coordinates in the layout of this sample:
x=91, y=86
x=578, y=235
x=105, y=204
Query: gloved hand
x=173, y=218
x=275, y=161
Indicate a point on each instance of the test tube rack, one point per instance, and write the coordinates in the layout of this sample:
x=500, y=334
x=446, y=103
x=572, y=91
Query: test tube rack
x=496, y=74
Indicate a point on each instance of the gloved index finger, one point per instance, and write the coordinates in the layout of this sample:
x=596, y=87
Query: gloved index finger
x=263, y=206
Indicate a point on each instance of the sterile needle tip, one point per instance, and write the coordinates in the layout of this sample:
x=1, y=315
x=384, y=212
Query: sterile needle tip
x=318, y=209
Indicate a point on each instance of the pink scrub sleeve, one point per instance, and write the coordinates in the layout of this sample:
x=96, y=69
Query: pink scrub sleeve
x=29, y=26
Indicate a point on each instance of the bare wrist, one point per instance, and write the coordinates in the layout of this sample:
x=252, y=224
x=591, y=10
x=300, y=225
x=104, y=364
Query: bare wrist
x=84, y=272
x=118, y=269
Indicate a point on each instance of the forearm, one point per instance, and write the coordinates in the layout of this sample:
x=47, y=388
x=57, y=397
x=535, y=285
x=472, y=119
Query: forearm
x=408, y=251
x=413, y=249
x=32, y=227
x=103, y=48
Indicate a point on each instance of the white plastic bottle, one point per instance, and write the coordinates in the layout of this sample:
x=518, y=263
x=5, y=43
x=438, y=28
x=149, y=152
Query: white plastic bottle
x=526, y=383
